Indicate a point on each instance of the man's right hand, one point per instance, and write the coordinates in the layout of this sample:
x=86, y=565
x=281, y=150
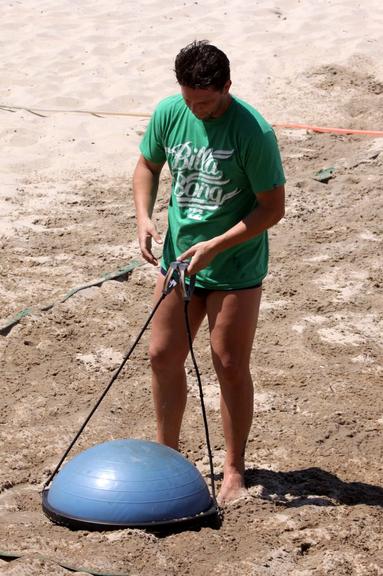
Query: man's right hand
x=147, y=231
x=145, y=185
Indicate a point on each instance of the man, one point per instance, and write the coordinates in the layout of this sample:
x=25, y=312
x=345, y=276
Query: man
x=227, y=190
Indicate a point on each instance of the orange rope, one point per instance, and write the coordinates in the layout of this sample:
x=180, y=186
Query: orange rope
x=375, y=133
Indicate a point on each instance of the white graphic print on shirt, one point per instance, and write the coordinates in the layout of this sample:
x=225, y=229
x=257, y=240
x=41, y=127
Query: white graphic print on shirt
x=198, y=180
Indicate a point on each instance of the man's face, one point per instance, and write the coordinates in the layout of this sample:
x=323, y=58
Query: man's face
x=206, y=103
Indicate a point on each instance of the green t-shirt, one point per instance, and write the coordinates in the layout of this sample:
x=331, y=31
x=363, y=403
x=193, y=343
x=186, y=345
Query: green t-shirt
x=217, y=167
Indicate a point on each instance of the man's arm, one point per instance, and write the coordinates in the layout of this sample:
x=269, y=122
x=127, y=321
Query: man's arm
x=270, y=209
x=145, y=186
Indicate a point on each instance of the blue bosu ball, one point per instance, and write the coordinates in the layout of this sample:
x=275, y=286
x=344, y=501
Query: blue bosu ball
x=124, y=483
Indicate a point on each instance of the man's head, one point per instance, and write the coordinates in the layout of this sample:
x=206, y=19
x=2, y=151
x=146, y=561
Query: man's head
x=201, y=65
x=203, y=72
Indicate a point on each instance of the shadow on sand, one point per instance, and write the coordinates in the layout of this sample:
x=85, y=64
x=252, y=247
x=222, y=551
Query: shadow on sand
x=312, y=486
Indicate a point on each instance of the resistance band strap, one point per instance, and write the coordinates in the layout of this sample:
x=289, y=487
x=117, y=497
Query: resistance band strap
x=176, y=275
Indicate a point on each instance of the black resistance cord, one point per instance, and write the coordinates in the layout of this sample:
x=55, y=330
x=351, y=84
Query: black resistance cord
x=175, y=275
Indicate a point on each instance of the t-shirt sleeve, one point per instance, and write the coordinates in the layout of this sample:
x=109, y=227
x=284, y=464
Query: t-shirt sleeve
x=263, y=164
x=151, y=146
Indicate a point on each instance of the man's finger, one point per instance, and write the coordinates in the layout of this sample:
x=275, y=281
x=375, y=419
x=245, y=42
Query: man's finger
x=186, y=255
x=148, y=256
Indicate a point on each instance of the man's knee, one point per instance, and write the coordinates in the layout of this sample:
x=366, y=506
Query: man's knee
x=229, y=367
x=164, y=357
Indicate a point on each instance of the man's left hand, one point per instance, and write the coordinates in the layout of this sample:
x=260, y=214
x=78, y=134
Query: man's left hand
x=200, y=256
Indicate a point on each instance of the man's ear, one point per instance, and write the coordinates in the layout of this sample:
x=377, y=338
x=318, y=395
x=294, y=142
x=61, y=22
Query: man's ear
x=227, y=86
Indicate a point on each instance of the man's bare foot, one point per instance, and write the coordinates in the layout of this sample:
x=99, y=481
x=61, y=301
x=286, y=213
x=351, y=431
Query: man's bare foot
x=233, y=488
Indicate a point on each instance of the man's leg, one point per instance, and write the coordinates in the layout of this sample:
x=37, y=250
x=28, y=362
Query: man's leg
x=232, y=320
x=168, y=350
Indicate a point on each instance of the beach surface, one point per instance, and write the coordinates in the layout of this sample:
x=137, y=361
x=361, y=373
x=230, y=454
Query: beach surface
x=79, y=81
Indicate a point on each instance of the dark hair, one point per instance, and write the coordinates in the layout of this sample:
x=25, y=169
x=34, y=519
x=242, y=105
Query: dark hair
x=201, y=65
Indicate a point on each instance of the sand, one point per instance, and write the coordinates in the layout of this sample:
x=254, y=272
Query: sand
x=314, y=459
